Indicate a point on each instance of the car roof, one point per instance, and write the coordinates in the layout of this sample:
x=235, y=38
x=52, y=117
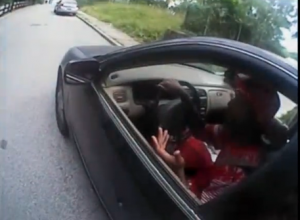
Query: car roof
x=292, y=62
x=287, y=60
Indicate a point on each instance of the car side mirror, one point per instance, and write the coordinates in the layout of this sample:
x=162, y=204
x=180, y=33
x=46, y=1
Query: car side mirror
x=81, y=71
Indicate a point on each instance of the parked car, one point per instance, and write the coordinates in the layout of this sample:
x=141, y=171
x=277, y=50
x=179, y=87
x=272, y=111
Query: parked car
x=69, y=7
x=107, y=102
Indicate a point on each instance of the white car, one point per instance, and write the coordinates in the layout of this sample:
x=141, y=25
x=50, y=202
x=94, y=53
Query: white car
x=66, y=7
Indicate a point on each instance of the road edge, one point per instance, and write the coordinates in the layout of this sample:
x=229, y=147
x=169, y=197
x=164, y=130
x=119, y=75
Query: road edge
x=98, y=30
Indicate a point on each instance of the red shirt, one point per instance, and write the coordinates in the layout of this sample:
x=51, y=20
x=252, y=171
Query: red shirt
x=197, y=157
x=211, y=178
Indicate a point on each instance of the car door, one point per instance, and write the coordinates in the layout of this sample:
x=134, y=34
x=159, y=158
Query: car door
x=102, y=147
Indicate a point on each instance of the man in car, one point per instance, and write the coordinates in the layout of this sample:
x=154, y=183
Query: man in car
x=239, y=139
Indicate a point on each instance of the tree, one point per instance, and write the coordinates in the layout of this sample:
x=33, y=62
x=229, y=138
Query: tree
x=256, y=22
x=295, y=21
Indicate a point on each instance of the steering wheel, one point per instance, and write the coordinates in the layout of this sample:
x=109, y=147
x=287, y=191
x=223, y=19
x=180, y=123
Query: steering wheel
x=195, y=96
x=175, y=116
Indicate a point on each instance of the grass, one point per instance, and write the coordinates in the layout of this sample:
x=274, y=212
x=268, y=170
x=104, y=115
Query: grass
x=143, y=23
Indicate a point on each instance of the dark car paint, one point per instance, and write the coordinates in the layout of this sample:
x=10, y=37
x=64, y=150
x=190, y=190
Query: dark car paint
x=119, y=178
x=105, y=168
x=175, y=44
x=123, y=196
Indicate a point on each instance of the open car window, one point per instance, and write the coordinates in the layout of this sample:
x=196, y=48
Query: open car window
x=139, y=85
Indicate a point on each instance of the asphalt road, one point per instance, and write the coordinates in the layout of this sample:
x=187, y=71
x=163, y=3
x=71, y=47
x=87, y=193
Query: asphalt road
x=42, y=177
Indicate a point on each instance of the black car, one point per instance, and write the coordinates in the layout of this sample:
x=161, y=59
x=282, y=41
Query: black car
x=108, y=102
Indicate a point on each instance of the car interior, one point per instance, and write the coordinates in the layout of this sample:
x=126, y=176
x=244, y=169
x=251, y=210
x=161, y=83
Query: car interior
x=146, y=106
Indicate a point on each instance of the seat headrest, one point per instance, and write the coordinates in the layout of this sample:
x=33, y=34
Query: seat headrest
x=276, y=134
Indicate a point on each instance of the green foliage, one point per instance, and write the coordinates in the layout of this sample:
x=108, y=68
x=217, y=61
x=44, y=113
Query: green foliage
x=256, y=22
x=82, y=3
x=289, y=116
x=295, y=21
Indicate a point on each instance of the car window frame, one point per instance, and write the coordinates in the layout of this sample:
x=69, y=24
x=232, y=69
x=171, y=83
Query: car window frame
x=185, y=201
x=194, y=203
x=124, y=55
x=172, y=50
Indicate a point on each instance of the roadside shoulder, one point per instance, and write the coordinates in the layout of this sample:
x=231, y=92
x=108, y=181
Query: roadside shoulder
x=107, y=31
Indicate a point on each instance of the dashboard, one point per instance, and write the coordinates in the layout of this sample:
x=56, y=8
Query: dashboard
x=133, y=98
x=148, y=91
x=132, y=89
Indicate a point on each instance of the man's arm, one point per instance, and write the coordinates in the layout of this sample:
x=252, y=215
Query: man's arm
x=172, y=86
